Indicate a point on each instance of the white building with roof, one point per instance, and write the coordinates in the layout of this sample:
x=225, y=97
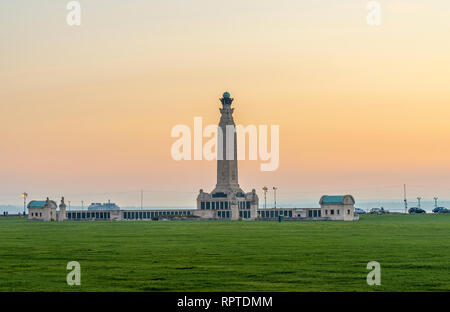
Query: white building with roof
x=338, y=207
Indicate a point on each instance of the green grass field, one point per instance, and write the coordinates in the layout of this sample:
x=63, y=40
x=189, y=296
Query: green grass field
x=413, y=250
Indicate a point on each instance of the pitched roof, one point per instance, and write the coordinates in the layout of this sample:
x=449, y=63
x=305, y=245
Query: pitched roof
x=36, y=204
x=336, y=199
x=41, y=204
x=333, y=199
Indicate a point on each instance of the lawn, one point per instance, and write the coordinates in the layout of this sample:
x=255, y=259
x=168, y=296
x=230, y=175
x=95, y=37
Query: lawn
x=413, y=250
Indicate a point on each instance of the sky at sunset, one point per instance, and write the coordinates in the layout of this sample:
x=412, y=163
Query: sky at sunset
x=87, y=111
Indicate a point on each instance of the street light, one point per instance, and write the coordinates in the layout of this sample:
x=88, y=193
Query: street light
x=275, y=196
x=265, y=189
x=418, y=201
x=24, y=196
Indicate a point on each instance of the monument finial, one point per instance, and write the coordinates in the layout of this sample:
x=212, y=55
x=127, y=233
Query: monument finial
x=226, y=99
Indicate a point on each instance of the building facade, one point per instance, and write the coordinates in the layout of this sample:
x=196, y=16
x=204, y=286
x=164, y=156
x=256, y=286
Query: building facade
x=338, y=207
x=42, y=210
x=105, y=206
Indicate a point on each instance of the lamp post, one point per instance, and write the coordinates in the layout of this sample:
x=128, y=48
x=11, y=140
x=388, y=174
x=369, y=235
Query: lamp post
x=275, y=197
x=435, y=202
x=265, y=189
x=418, y=201
x=24, y=196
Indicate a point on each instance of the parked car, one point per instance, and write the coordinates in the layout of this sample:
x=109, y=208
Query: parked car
x=416, y=210
x=441, y=210
x=378, y=211
x=360, y=211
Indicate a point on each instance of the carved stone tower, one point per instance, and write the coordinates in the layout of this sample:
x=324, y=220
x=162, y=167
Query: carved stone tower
x=227, y=200
x=62, y=210
x=227, y=168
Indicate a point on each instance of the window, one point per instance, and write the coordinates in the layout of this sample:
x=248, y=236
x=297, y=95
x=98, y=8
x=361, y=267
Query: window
x=320, y=213
x=348, y=211
x=332, y=211
x=338, y=211
x=326, y=211
x=290, y=213
x=248, y=205
x=221, y=205
x=226, y=205
x=202, y=205
x=208, y=205
x=310, y=213
x=240, y=214
x=213, y=205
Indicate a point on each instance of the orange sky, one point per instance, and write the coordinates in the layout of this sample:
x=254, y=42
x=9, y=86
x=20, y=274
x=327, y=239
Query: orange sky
x=87, y=111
